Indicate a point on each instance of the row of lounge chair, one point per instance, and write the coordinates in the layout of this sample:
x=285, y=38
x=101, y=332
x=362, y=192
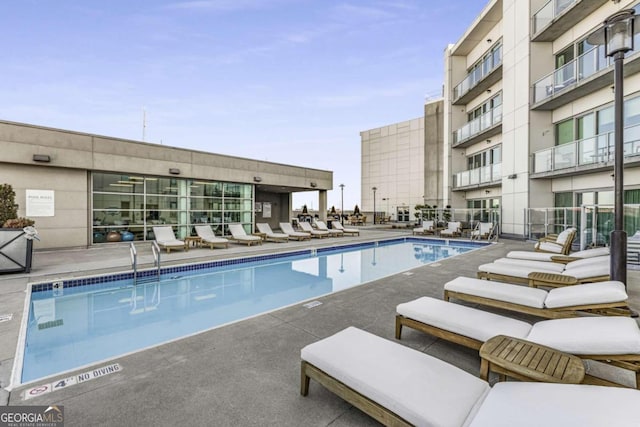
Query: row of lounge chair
x=454, y=229
x=397, y=385
x=166, y=239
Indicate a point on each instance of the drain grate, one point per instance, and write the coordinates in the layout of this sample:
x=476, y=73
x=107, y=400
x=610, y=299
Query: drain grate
x=50, y=324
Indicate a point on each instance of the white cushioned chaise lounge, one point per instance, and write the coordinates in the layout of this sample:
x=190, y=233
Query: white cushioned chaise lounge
x=519, y=271
x=570, y=301
x=398, y=385
x=614, y=340
x=546, y=256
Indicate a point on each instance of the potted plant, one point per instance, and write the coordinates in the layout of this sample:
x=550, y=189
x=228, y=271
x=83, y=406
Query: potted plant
x=16, y=235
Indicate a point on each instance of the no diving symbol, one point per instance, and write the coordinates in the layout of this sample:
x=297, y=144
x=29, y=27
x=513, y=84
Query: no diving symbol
x=39, y=390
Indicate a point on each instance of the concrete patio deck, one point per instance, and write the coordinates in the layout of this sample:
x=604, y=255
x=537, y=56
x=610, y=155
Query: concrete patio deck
x=246, y=373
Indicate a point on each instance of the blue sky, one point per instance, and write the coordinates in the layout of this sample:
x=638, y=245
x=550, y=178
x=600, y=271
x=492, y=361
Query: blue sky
x=288, y=81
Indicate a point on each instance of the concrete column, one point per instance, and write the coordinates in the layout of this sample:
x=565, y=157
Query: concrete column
x=322, y=203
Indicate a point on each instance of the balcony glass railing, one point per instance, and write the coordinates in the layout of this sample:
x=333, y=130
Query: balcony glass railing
x=573, y=72
x=548, y=13
x=581, y=68
x=478, y=125
x=597, y=149
x=483, y=175
x=479, y=72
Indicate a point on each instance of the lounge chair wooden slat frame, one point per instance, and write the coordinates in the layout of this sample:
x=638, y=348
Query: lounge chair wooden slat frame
x=366, y=405
x=620, y=308
x=542, y=279
x=629, y=362
x=551, y=238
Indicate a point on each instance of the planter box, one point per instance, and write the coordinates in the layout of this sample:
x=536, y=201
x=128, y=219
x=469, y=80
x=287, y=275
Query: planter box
x=15, y=251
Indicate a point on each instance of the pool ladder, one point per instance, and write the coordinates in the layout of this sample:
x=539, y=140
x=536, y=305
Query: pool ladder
x=134, y=260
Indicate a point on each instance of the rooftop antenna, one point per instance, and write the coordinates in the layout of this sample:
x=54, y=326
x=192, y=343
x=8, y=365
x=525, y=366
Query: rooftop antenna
x=144, y=123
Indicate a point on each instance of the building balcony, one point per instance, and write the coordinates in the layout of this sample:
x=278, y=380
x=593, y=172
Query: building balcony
x=588, y=73
x=586, y=155
x=480, y=79
x=558, y=16
x=479, y=129
x=486, y=176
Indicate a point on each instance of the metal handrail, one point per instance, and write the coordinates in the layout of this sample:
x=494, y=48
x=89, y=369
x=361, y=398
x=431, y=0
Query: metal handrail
x=156, y=256
x=134, y=262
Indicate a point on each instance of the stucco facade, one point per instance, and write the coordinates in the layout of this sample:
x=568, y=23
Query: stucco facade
x=74, y=158
x=403, y=161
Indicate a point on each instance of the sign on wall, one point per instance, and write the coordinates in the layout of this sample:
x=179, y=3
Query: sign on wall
x=266, y=210
x=40, y=203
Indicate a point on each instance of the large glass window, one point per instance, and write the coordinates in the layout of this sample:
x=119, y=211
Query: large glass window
x=127, y=207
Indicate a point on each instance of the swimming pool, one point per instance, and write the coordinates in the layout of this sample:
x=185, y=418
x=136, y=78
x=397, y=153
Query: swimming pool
x=83, y=321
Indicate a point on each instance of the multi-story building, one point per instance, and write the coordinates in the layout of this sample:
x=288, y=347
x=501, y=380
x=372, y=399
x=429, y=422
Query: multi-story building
x=403, y=161
x=529, y=111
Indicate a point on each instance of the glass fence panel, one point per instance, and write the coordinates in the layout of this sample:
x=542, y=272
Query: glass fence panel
x=543, y=88
x=543, y=17
x=496, y=172
x=542, y=160
x=564, y=156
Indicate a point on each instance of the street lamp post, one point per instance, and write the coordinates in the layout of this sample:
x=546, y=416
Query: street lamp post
x=374, y=204
x=616, y=35
x=341, y=204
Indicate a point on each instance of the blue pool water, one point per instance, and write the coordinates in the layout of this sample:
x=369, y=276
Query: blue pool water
x=79, y=325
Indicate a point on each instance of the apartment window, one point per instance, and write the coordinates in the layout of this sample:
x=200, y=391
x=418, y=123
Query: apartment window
x=485, y=65
x=564, y=132
x=485, y=158
x=492, y=103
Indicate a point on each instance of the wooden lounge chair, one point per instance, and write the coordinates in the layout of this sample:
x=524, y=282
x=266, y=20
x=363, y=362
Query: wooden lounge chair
x=400, y=386
x=604, y=298
x=293, y=234
x=270, y=235
x=550, y=274
x=209, y=238
x=167, y=239
x=352, y=231
x=483, y=231
x=558, y=244
x=240, y=236
x=550, y=256
x=333, y=232
x=306, y=227
x=454, y=229
x=427, y=228
x=611, y=340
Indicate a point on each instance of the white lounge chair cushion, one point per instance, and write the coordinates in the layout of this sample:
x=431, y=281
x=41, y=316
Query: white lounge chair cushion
x=581, y=263
x=463, y=320
x=586, y=294
x=530, y=297
x=586, y=271
x=526, y=404
x=541, y=256
x=533, y=265
x=593, y=267
x=589, y=335
x=423, y=390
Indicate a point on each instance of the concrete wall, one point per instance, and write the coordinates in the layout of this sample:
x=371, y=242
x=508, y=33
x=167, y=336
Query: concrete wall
x=393, y=161
x=75, y=155
x=434, y=153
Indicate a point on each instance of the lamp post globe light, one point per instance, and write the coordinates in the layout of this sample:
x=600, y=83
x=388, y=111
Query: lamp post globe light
x=341, y=203
x=616, y=35
x=374, y=204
